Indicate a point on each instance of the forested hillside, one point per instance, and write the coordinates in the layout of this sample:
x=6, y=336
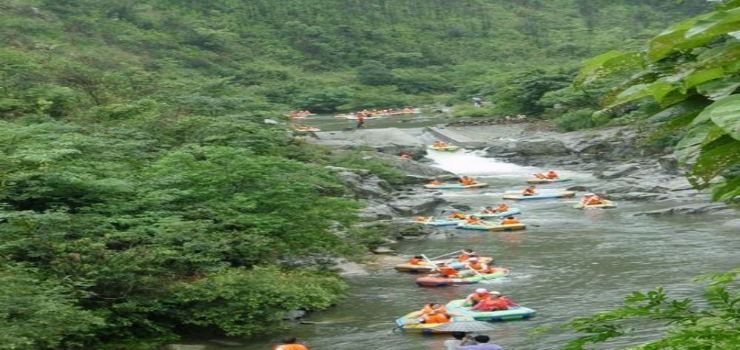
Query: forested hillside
x=141, y=197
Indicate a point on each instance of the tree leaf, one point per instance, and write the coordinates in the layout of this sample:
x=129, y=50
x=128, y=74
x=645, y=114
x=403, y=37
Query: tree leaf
x=727, y=115
x=717, y=89
x=607, y=64
x=690, y=144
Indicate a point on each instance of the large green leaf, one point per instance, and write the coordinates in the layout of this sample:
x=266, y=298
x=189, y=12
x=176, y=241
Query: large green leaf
x=719, y=23
x=717, y=89
x=669, y=40
x=725, y=55
x=714, y=161
x=690, y=144
x=700, y=76
x=656, y=90
x=607, y=64
x=727, y=115
x=691, y=107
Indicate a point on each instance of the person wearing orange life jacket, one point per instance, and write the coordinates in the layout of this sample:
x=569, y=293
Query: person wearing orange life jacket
x=465, y=255
x=457, y=216
x=552, y=175
x=475, y=264
x=434, y=313
x=529, y=191
x=423, y=219
x=474, y=220
x=476, y=297
x=591, y=199
x=290, y=344
x=434, y=182
x=417, y=260
x=447, y=271
x=502, y=208
x=467, y=181
x=494, y=303
x=509, y=220
x=540, y=176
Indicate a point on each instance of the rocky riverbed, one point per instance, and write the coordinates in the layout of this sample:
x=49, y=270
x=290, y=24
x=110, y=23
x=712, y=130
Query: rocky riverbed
x=629, y=170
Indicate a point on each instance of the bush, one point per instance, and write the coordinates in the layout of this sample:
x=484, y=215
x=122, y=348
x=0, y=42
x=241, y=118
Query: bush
x=472, y=112
x=576, y=120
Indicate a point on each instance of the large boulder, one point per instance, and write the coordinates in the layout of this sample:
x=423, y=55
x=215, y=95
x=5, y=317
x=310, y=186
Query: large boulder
x=417, y=205
x=417, y=172
x=362, y=184
x=541, y=147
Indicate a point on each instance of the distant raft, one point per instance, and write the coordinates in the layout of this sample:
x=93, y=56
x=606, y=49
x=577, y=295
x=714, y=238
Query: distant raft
x=564, y=194
x=426, y=267
x=490, y=226
x=535, y=180
x=503, y=214
x=513, y=313
x=410, y=323
x=448, y=148
x=605, y=204
x=438, y=281
x=456, y=186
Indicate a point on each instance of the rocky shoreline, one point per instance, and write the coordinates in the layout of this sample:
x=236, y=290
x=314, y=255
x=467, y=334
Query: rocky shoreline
x=629, y=170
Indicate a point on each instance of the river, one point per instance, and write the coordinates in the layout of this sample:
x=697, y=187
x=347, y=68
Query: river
x=567, y=264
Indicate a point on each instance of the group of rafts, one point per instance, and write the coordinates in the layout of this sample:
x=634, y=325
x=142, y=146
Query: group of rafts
x=468, y=267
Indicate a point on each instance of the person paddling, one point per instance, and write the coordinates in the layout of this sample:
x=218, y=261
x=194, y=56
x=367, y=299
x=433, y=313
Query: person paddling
x=290, y=343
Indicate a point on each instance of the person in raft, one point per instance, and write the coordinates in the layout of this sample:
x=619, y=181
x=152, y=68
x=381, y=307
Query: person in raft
x=476, y=297
x=552, y=175
x=495, y=302
x=439, y=144
x=434, y=182
x=473, y=267
x=456, y=215
x=466, y=181
x=466, y=254
x=434, y=313
x=509, y=220
x=474, y=220
x=290, y=343
x=417, y=260
x=591, y=199
x=529, y=191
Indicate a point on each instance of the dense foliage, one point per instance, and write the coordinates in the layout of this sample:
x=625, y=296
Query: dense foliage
x=692, y=73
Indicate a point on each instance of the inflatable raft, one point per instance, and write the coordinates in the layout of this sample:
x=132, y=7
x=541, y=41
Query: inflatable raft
x=605, y=204
x=441, y=222
x=426, y=267
x=503, y=214
x=518, y=197
x=450, y=148
x=410, y=323
x=535, y=180
x=513, y=313
x=438, y=281
x=455, y=186
x=490, y=226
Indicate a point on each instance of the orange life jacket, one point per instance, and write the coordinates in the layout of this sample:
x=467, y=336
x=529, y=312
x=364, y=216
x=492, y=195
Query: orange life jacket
x=437, y=318
x=552, y=175
x=415, y=261
x=502, y=208
x=447, y=271
x=476, y=266
x=509, y=221
x=463, y=257
x=528, y=192
x=290, y=347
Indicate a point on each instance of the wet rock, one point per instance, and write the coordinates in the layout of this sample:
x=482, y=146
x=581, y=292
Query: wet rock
x=618, y=171
x=377, y=212
x=635, y=196
x=417, y=205
x=578, y=189
x=293, y=314
x=541, y=147
x=364, y=186
x=185, y=347
x=699, y=208
x=271, y=122
x=224, y=342
x=669, y=164
x=384, y=251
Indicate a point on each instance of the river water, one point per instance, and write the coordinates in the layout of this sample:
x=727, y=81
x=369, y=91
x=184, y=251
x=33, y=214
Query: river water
x=568, y=263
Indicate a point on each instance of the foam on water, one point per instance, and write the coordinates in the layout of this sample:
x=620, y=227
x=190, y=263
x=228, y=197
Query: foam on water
x=473, y=164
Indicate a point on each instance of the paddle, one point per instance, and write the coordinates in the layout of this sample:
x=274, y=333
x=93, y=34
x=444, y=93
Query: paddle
x=434, y=266
x=448, y=254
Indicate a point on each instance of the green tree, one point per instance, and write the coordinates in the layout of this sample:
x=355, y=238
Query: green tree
x=691, y=71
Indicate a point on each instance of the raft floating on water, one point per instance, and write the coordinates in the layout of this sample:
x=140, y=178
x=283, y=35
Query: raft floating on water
x=513, y=313
x=426, y=267
x=489, y=226
x=410, y=323
x=605, y=204
x=438, y=281
x=456, y=186
x=450, y=148
x=535, y=180
x=518, y=197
